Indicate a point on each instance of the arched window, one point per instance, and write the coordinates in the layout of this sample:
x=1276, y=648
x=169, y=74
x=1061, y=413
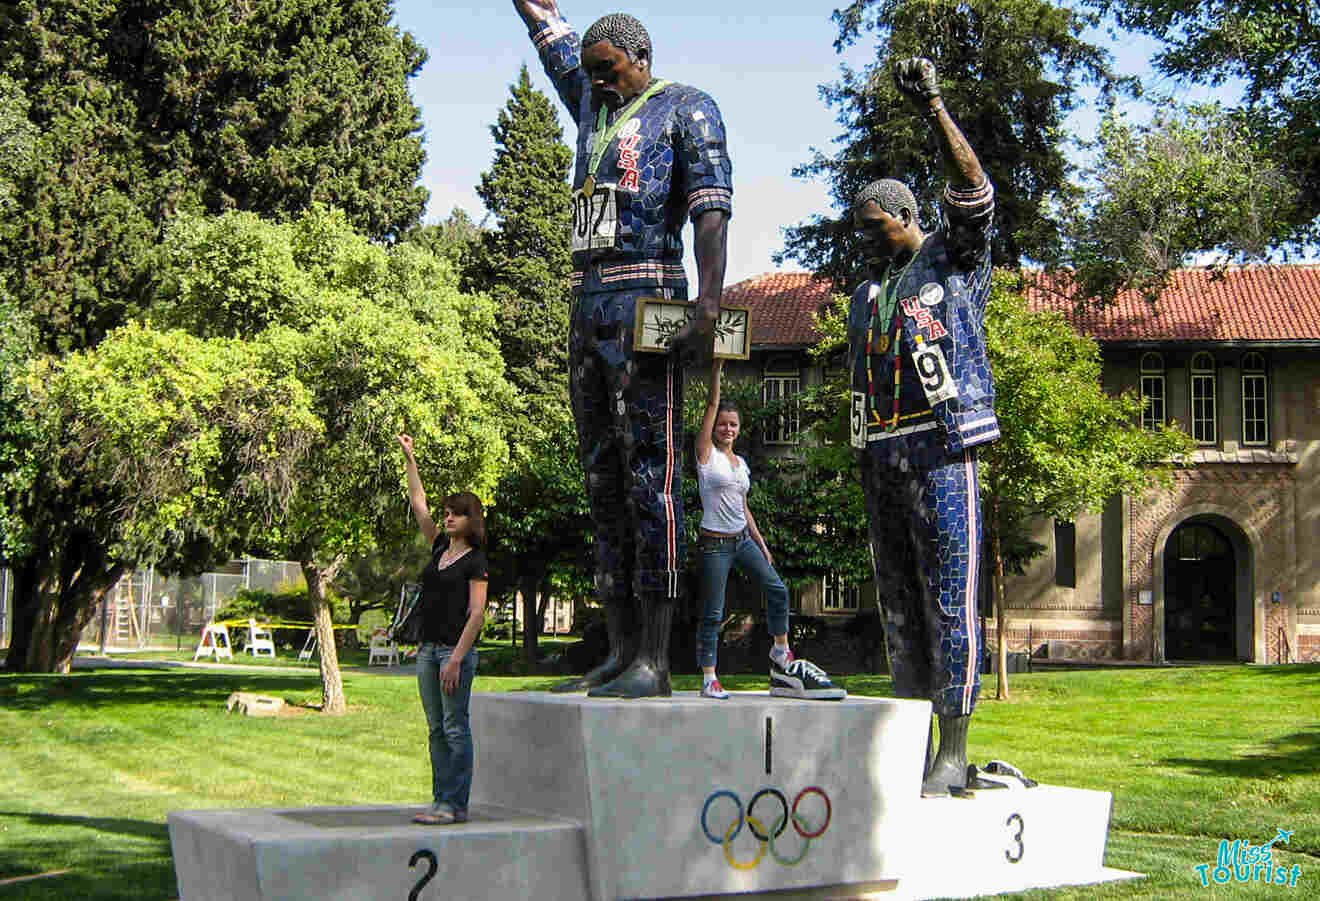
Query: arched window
x=1255, y=407
x=781, y=382
x=1203, y=399
x=1152, y=391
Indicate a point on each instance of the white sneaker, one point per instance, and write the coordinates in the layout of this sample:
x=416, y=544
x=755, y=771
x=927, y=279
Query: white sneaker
x=713, y=689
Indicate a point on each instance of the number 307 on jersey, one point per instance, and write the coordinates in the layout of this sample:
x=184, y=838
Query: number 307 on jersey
x=595, y=219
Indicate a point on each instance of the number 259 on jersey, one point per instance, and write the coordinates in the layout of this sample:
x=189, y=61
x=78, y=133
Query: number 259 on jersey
x=595, y=219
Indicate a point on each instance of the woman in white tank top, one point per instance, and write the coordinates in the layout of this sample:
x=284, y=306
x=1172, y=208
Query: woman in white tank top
x=729, y=537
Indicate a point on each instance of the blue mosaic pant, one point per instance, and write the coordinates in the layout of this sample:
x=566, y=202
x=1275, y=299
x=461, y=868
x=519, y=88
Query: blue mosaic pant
x=629, y=413
x=924, y=511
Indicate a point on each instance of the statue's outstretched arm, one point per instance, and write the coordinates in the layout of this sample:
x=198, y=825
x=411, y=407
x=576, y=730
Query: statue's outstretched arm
x=917, y=80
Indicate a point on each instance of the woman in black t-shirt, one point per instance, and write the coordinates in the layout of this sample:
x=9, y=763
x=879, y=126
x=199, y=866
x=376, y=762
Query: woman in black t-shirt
x=453, y=604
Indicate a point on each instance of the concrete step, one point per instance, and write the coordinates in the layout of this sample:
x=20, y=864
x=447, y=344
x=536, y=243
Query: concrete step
x=363, y=853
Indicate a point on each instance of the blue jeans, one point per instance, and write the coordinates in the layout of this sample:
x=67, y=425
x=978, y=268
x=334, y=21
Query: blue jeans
x=448, y=722
x=717, y=557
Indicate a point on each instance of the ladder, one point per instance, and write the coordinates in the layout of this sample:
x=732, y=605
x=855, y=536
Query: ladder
x=126, y=626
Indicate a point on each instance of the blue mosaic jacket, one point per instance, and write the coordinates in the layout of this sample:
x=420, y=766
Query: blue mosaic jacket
x=670, y=166
x=925, y=367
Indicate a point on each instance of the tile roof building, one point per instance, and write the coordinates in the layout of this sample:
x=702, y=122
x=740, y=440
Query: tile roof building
x=1226, y=566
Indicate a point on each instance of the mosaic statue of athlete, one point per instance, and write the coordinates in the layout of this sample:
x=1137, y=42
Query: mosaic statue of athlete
x=922, y=400
x=650, y=155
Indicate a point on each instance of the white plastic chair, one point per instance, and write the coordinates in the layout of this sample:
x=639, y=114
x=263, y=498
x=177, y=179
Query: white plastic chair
x=260, y=640
x=382, y=647
x=211, y=646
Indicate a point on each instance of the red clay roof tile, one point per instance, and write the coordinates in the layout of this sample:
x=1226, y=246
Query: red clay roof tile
x=782, y=304
x=1256, y=303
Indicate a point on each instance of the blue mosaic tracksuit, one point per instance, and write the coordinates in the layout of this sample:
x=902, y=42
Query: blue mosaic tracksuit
x=666, y=164
x=922, y=399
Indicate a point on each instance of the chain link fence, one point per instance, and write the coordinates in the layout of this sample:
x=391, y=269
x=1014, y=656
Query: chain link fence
x=149, y=610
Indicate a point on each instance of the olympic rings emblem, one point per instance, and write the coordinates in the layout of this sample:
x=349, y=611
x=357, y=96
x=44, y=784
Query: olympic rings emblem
x=765, y=838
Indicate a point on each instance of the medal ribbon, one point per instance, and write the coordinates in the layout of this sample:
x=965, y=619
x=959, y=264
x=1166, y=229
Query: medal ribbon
x=605, y=135
x=890, y=291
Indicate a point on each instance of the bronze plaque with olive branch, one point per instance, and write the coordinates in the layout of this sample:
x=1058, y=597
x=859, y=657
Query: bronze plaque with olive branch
x=659, y=319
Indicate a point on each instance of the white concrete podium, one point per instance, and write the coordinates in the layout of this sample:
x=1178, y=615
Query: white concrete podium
x=579, y=798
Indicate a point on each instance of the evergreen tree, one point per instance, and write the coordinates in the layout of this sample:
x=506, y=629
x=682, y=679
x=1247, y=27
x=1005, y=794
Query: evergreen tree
x=1009, y=73
x=540, y=519
x=524, y=262
x=153, y=107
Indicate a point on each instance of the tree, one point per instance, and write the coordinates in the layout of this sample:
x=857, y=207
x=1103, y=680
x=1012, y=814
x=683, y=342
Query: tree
x=1010, y=73
x=452, y=240
x=524, y=262
x=150, y=108
x=540, y=523
x=383, y=342
x=145, y=445
x=17, y=337
x=1275, y=49
x=1192, y=181
x=1067, y=445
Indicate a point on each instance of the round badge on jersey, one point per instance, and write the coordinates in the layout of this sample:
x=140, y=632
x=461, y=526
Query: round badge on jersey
x=930, y=294
x=630, y=128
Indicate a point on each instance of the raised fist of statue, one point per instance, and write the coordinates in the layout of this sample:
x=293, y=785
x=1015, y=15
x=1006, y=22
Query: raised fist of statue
x=916, y=80
x=536, y=10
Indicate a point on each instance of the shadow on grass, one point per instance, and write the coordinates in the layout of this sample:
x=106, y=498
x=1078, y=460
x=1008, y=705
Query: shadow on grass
x=1297, y=754
x=135, y=828
x=98, y=689
x=111, y=868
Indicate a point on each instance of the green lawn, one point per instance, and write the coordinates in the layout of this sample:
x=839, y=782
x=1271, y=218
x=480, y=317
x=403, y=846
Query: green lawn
x=92, y=763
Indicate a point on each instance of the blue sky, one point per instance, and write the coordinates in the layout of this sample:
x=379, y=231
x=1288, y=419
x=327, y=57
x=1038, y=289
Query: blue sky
x=762, y=62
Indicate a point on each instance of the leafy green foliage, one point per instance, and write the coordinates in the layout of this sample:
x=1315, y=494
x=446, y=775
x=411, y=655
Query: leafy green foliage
x=451, y=240
x=148, y=109
x=287, y=606
x=272, y=428
x=1275, y=49
x=1067, y=445
x=1010, y=73
x=1193, y=180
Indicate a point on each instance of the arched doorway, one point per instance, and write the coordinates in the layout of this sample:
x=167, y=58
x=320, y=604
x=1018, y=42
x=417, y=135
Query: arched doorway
x=1200, y=594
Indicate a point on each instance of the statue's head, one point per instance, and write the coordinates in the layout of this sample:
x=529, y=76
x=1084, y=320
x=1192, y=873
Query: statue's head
x=885, y=212
x=616, y=54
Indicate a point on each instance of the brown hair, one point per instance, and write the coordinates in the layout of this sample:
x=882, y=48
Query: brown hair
x=465, y=503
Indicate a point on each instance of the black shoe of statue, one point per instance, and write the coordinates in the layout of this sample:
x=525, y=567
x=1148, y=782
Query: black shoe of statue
x=606, y=672
x=943, y=776
x=949, y=769
x=641, y=680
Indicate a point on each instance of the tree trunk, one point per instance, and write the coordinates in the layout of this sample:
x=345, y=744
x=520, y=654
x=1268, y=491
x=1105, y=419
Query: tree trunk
x=23, y=605
x=51, y=610
x=528, y=583
x=543, y=604
x=1001, y=620
x=332, y=684
x=74, y=614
